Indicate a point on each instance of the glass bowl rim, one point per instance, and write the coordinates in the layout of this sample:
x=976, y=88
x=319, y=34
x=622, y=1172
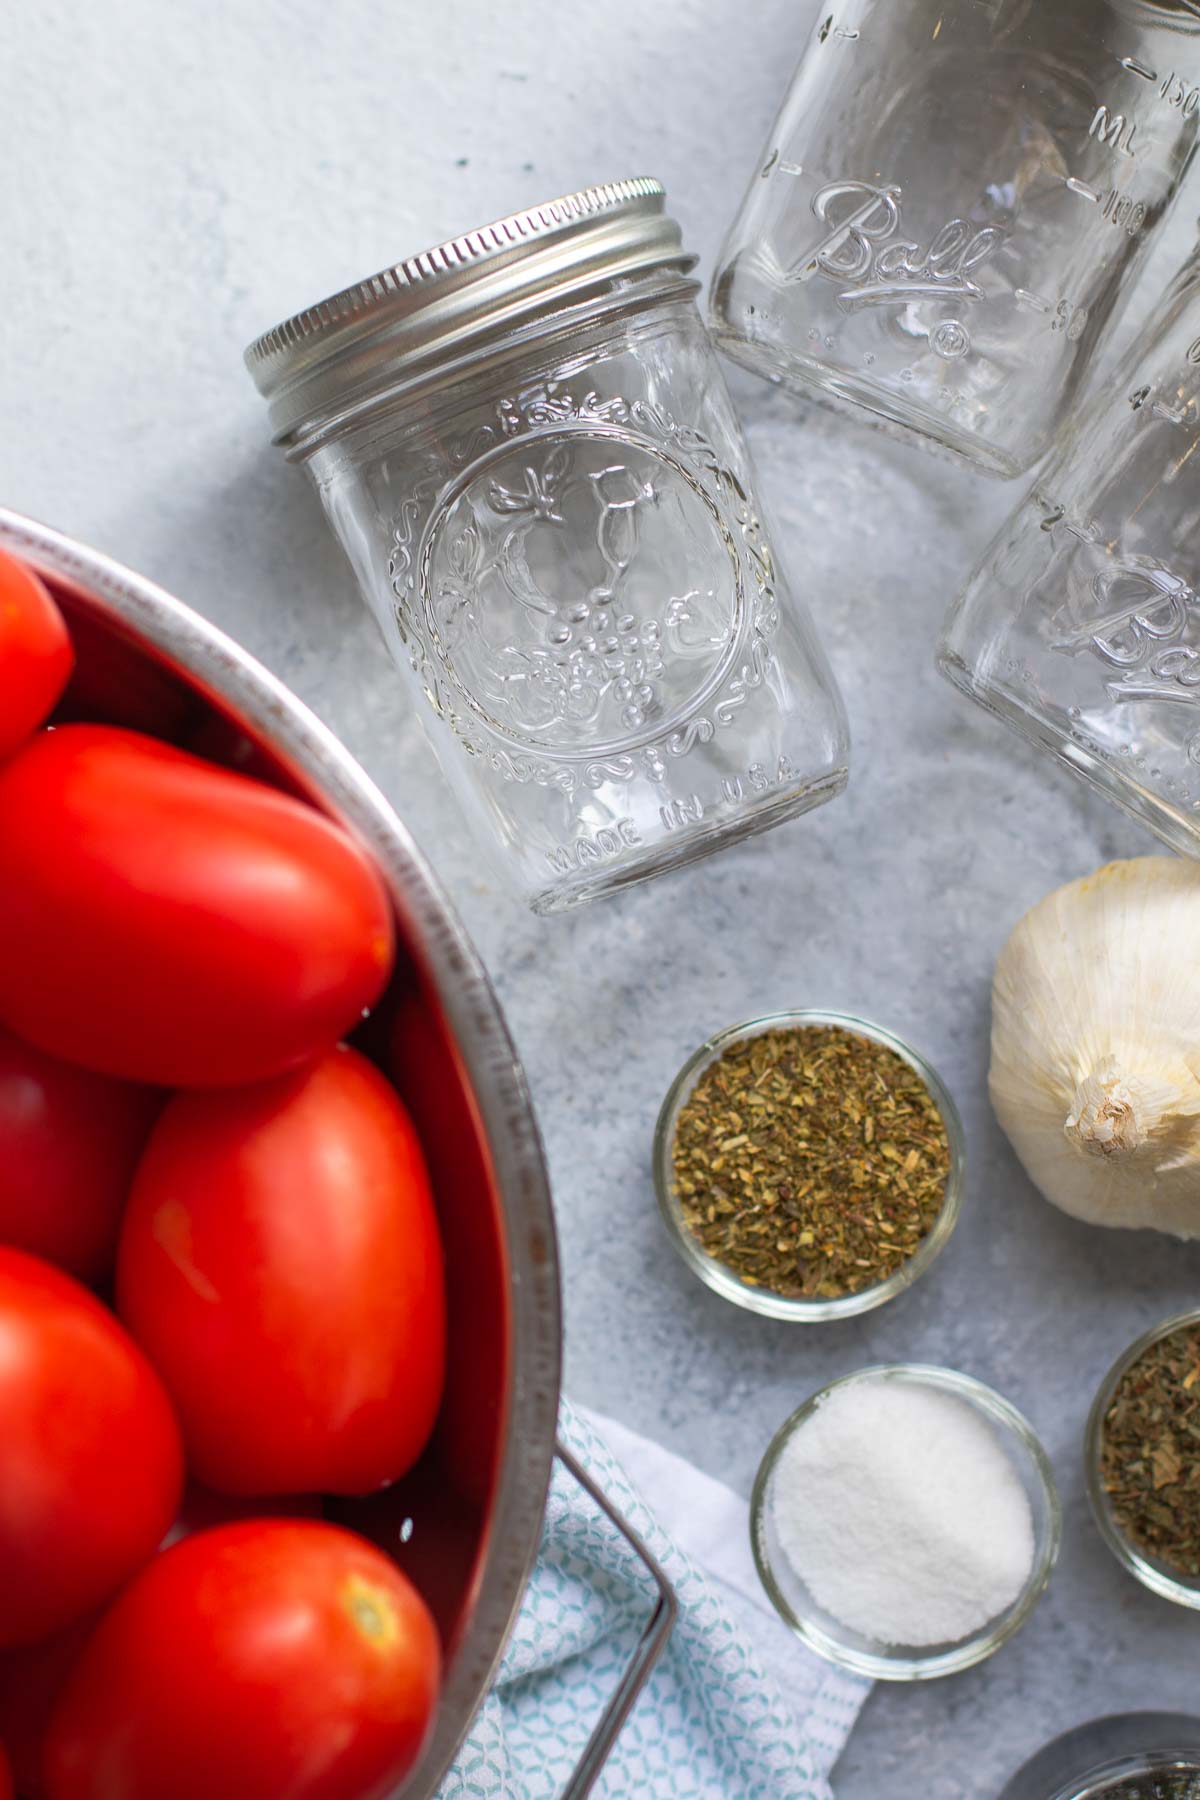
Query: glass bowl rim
x=1138, y=1564
x=1097, y=1782
x=1011, y=1424
x=763, y=1301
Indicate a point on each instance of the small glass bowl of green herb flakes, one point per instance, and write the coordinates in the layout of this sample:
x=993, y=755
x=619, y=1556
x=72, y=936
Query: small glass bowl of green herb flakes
x=808, y=1165
x=1143, y=1459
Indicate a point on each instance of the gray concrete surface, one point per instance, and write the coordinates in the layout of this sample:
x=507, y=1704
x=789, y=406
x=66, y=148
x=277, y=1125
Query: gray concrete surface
x=177, y=176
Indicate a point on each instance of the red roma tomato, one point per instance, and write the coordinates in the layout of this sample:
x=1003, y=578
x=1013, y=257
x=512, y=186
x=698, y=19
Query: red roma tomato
x=35, y=653
x=91, y=1468
x=172, y=922
x=283, y=1659
x=280, y=1264
x=69, y=1144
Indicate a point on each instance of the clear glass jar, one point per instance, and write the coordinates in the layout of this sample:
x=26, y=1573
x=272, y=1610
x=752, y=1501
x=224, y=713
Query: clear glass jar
x=523, y=441
x=1081, y=626
x=952, y=201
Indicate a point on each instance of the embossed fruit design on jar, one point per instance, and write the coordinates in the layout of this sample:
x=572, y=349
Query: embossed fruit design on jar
x=524, y=442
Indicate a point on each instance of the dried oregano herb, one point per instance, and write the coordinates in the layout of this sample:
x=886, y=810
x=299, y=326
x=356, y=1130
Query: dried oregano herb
x=1150, y=1451
x=811, y=1161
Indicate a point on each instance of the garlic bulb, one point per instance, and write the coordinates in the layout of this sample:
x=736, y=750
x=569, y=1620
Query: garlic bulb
x=1095, y=1072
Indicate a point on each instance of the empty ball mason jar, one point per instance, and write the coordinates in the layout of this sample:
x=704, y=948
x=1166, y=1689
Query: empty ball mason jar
x=523, y=440
x=1081, y=626
x=951, y=203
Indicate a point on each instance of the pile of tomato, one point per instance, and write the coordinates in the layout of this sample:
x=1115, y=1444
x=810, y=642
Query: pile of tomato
x=221, y=1282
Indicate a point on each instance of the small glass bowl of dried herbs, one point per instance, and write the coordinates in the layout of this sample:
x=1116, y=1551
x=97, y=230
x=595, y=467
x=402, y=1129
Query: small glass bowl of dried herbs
x=1143, y=1459
x=808, y=1165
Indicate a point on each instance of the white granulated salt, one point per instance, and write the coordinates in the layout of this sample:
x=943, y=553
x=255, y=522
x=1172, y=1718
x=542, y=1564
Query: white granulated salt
x=901, y=1512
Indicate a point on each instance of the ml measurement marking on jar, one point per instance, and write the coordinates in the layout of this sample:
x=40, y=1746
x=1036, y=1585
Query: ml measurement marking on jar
x=1177, y=92
x=1054, y=515
x=838, y=32
x=1113, y=130
x=1066, y=315
x=1126, y=214
x=1180, y=94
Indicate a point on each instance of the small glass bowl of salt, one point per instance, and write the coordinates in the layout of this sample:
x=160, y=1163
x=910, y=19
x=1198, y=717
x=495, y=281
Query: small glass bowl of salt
x=905, y=1521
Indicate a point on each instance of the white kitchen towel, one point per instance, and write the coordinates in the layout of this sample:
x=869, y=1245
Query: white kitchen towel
x=737, y=1709
x=711, y=1526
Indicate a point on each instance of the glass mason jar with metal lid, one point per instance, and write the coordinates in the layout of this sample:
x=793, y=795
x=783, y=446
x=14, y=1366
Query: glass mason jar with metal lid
x=952, y=201
x=524, y=443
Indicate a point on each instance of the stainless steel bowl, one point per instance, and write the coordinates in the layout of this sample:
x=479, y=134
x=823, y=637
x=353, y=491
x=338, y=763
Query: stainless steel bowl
x=472, y=1510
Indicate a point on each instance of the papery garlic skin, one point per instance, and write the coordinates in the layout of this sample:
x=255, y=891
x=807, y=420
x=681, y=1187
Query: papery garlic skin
x=1095, y=1072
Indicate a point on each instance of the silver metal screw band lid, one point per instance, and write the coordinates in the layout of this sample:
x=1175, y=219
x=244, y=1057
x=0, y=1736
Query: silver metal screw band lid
x=323, y=365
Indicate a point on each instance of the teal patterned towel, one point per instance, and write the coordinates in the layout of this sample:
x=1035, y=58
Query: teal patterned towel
x=737, y=1709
